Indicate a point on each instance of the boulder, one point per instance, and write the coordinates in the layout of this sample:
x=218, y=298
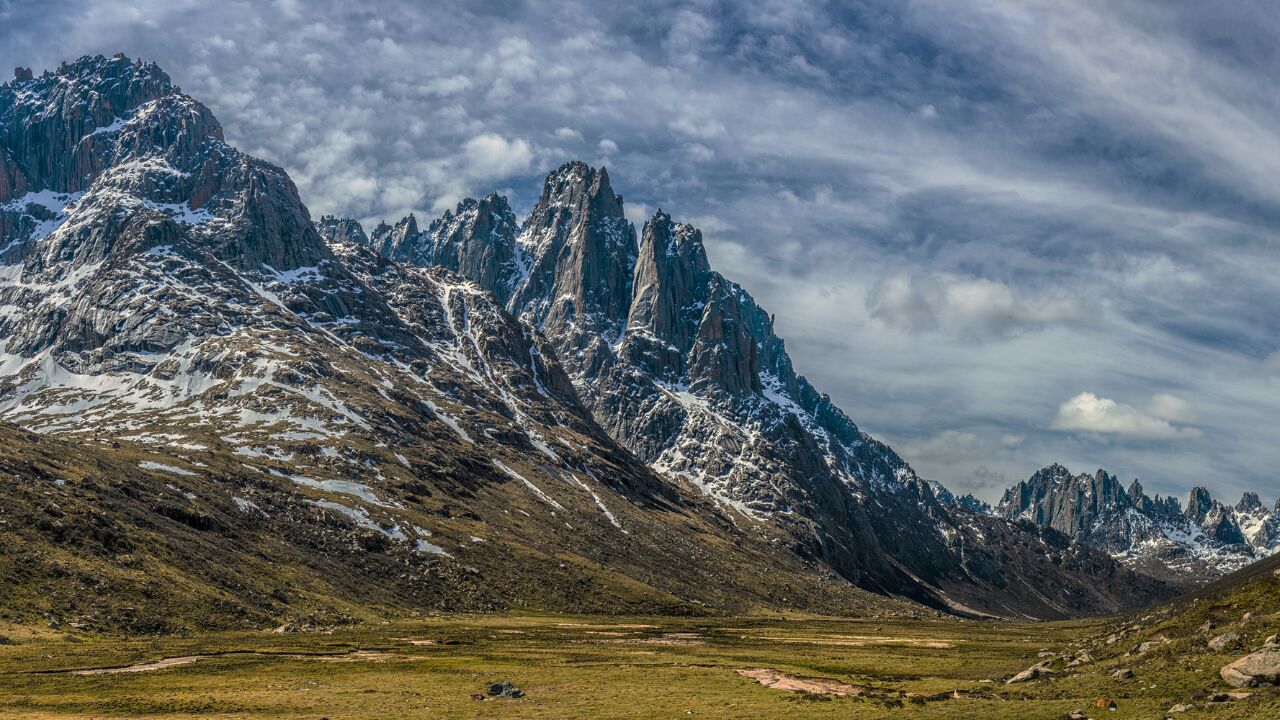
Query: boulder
x=505, y=689
x=1122, y=674
x=1259, y=668
x=1034, y=672
x=1082, y=659
x=1181, y=708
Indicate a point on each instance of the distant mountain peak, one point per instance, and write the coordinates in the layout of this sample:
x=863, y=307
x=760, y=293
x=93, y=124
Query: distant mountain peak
x=1156, y=534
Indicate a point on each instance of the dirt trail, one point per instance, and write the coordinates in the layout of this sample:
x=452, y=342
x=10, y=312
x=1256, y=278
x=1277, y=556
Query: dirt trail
x=781, y=681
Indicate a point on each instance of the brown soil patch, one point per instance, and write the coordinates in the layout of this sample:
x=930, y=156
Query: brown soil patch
x=780, y=681
x=142, y=667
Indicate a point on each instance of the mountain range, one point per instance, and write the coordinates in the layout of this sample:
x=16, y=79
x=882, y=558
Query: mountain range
x=216, y=402
x=1154, y=535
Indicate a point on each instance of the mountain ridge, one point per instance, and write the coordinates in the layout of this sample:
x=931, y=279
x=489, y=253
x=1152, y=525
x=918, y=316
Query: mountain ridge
x=1205, y=540
x=687, y=373
x=611, y=410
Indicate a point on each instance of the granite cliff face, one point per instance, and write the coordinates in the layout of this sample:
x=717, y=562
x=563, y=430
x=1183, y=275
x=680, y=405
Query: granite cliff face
x=682, y=368
x=1154, y=535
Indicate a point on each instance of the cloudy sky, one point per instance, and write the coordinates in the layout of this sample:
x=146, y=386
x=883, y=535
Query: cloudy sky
x=999, y=234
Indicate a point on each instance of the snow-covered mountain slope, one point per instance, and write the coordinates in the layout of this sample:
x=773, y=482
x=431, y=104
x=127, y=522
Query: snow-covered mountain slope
x=165, y=293
x=681, y=367
x=1155, y=535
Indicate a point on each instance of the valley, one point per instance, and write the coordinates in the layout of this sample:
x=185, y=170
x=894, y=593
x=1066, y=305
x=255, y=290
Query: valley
x=255, y=466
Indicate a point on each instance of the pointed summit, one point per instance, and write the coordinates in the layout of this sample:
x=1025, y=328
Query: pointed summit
x=341, y=230
x=478, y=241
x=1250, y=502
x=397, y=241
x=579, y=250
x=669, y=290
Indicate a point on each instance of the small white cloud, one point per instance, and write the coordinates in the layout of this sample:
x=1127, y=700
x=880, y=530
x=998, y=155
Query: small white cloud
x=491, y=156
x=1091, y=413
x=608, y=147
x=568, y=134
x=928, y=111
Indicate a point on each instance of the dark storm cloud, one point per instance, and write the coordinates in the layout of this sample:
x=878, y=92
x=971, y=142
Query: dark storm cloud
x=999, y=234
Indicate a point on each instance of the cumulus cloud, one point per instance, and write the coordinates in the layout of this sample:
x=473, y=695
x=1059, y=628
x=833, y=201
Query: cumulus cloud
x=490, y=156
x=970, y=307
x=1091, y=413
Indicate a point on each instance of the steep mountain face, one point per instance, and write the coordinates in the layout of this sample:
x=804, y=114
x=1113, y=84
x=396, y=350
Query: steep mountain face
x=1154, y=535
x=590, y=422
x=682, y=368
x=165, y=294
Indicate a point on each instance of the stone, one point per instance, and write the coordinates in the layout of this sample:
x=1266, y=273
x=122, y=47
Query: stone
x=1122, y=674
x=23, y=74
x=1259, y=668
x=1035, y=672
x=1082, y=659
x=505, y=689
x=1181, y=708
x=1223, y=641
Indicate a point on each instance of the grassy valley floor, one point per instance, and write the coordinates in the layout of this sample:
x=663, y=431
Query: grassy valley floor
x=608, y=667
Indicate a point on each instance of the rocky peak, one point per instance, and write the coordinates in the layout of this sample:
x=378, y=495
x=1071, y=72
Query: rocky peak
x=341, y=230
x=1052, y=496
x=49, y=126
x=106, y=159
x=967, y=501
x=1249, y=503
x=478, y=240
x=396, y=241
x=1216, y=519
x=669, y=293
x=1151, y=533
x=579, y=251
x=726, y=355
x=1199, y=503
